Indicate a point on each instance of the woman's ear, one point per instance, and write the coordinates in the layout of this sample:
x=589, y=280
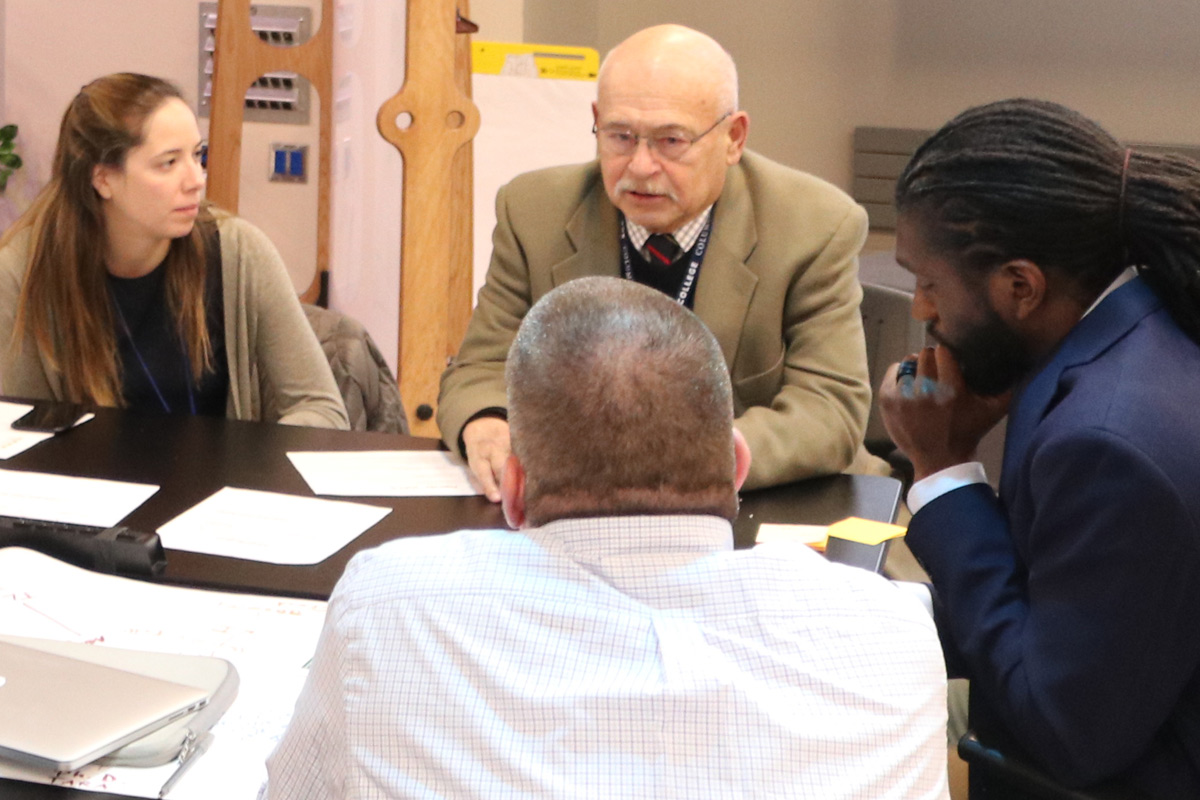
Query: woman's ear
x=102, y=181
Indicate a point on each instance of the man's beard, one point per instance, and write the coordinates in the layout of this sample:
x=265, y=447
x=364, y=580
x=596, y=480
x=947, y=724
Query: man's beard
x=990, y=354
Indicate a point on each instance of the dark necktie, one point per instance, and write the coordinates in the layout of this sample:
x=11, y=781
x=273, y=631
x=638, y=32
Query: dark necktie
x=662, y=250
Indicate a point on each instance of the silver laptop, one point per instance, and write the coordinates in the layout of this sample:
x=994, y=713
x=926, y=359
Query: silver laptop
x=60, y=712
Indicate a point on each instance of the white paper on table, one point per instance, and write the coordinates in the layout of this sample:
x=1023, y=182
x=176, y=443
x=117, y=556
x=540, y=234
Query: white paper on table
x=270, y=527
x=385, y=473
x=268, y=639
x=62, y=498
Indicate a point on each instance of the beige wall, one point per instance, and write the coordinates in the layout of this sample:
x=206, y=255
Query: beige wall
x=498, y=20
x=567, y=23
x=812, y=70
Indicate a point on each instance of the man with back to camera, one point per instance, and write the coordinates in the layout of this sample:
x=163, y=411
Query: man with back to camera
x=765, y=255
x=616, y=646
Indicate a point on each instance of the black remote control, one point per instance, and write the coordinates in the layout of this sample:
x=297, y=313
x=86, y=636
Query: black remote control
x=111, y=550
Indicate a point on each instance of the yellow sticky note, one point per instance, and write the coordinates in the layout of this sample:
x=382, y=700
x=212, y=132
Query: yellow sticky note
x=865, y=531
x=811, y=535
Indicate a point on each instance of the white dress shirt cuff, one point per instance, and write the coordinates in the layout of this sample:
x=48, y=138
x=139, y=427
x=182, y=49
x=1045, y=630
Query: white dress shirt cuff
x=931, y=488
x=918, y=590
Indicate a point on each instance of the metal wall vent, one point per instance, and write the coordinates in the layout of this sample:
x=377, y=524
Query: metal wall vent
x=276, y=96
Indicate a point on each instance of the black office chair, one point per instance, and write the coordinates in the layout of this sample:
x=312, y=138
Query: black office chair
x=995, y=775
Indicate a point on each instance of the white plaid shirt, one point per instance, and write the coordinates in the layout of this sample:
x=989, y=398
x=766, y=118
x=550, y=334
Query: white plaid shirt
x=612, y=658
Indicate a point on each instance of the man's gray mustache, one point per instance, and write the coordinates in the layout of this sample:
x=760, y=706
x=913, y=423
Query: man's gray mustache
x=627, y=185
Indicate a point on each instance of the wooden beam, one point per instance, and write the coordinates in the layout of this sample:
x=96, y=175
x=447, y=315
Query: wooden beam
x=239, y=60
x=430, y=120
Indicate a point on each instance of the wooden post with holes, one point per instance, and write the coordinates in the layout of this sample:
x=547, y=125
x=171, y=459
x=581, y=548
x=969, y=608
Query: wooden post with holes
x=439, y=120
x=242, y=58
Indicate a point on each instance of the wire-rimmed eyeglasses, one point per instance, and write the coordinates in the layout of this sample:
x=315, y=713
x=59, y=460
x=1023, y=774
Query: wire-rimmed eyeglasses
x=671, y=143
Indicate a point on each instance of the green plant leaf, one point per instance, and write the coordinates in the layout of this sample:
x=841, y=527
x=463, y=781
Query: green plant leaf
x=8, y=132
x=10, y=160
x=3, y=179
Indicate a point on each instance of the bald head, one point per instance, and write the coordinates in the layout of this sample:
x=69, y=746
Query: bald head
x=663, y=85
x=675, y=61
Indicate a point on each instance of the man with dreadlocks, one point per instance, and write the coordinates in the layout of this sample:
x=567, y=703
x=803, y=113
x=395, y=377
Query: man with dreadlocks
x=1059, y=273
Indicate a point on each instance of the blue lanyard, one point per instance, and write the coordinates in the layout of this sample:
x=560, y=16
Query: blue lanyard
x=187, y=371
x=693, y=268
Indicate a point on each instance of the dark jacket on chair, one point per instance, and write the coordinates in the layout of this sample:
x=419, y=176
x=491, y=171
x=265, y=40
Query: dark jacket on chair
x=370, y=392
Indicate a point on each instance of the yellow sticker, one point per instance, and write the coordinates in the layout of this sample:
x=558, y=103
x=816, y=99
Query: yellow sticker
x=535, y=60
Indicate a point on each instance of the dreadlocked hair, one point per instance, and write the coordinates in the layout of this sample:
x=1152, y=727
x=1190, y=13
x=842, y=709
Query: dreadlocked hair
x=1035, y=180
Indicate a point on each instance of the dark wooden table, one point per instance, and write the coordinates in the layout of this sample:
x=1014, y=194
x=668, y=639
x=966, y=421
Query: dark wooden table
x=192, y=457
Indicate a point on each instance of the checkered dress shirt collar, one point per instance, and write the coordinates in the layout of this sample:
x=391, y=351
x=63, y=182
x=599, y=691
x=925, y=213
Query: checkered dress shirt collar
x=685, y=236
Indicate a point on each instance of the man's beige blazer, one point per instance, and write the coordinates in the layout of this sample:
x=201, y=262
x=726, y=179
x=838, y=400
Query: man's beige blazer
x=778, y=287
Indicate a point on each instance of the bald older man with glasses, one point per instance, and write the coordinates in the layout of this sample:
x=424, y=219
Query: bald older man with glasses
x=765, y=255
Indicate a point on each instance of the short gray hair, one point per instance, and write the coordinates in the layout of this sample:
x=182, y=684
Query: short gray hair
x=619, y=403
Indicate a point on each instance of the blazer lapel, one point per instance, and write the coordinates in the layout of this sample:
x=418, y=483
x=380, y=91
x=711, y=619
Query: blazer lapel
x=1095, y=333
x=726, y=285
x=594, y=234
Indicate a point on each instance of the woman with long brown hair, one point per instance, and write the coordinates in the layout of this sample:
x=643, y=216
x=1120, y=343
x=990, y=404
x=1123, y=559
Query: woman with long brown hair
x=121, y=286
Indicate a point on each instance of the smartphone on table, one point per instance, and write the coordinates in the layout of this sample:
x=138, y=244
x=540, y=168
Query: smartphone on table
x=50, y=417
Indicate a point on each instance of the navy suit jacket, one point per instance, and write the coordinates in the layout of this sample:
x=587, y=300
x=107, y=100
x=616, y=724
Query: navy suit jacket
x=1072, y=602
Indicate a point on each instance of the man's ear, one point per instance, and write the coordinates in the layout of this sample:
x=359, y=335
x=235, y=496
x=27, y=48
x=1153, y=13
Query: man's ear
x=512, y=492
x=101, y=181
x=739, y=129
x=741, y=459
x=1017, y=289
